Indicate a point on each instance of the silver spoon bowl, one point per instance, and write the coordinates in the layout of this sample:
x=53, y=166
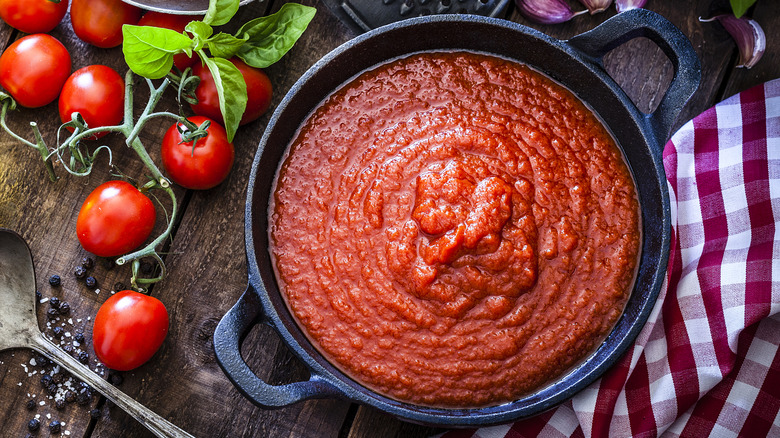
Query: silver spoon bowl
x=193, y=7
x=19, y=329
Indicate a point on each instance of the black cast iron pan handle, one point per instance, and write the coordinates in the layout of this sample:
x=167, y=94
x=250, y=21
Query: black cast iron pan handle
x=673, y=43
x=228, y=337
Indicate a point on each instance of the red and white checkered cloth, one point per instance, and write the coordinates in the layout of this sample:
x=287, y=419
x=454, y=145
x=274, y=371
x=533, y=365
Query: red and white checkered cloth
x=707, y=362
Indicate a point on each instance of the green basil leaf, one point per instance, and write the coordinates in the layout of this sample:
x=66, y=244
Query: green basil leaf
x=200, y=31
x=149, y=50
x=270, y=37
x=741, y=6
x=224, y=45
x=231, y=90
x=220, y=11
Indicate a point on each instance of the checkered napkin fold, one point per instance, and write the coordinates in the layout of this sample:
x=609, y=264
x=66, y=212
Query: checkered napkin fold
x=707, y=362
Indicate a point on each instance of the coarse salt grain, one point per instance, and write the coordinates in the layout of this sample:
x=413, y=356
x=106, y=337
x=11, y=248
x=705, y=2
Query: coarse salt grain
x=43, y=300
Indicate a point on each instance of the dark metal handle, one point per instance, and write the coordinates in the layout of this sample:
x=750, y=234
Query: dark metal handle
x=643, y=23
x=228, y=336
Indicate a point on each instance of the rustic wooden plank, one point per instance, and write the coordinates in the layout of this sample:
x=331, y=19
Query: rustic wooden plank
x=768, y=68
x=44, y=213
x=207, y=274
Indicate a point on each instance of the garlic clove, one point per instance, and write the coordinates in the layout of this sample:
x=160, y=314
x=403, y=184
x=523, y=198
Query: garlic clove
x=747, y=33
x=627, y=5
x=596, y=6
x=547, y=11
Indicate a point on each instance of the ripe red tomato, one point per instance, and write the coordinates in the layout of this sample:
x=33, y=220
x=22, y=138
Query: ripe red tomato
x=99, y=22
x=115, y=219
x=97, y=92
x=129, y=328
x=201, y=167
x=258, y=90
x=33, y=16
x=34, y=68
x=173, y=22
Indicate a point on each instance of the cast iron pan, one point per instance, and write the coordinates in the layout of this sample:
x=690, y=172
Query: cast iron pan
x=576, y=63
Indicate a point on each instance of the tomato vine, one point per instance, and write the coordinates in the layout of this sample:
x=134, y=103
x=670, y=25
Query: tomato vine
x=77, y=158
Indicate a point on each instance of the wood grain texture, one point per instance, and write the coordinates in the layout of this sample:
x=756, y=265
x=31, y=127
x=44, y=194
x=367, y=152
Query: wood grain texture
x=206, y=256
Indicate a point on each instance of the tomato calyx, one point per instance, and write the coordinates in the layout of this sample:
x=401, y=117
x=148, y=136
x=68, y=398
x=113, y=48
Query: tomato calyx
x=191, y=133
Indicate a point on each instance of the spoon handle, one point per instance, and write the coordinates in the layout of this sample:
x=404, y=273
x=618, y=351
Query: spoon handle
x=155, y=423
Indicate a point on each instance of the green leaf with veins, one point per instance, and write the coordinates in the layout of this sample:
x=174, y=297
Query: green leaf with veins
x=149, y=51
x=231, y=90
x=270, y=37
x=223, y=45
x=220, y=12
x=200, y=31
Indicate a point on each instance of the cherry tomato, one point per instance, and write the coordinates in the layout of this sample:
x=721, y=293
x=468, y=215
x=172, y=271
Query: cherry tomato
x=173, y=22
x=115, y=219
x=33, y=16
x=97, y=93
x=258, y=90
x=129, y=328
x=99, y=22
x=34, y=68
x=201, y=167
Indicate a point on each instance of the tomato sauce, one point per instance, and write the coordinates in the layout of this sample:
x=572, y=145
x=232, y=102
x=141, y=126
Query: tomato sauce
x=454, y=229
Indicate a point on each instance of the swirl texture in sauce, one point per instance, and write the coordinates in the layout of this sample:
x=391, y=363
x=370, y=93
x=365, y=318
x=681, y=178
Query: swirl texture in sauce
x=454, y=229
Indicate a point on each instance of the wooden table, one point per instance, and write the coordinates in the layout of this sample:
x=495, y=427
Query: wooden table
x=205, y=258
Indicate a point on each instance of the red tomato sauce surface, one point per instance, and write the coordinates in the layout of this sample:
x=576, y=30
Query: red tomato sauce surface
x=454, y=229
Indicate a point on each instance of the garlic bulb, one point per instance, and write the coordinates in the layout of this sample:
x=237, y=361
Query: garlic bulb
x=748, y=35
x=625, y=5
x=596, y=6
x=546, y=11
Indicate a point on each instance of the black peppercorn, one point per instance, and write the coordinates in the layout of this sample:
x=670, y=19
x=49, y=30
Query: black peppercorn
x=33, y=425
x=52, y=313
x=41, y=361
x=91, y=282
x=58, y=332
x=80, y=272
x=70, y=396
x=51, y=389
x=84, y=387
x=31, y=404
x=79, y=337
x=46, y=380
x=87, y=262
x=59, y=404
x=67, y=348
x=38, y=295
x=55, y=427
x=58, y=378
x=64, y=308
x=55, y=280
x=54, y=302
x=95, y=414
x=84, y=357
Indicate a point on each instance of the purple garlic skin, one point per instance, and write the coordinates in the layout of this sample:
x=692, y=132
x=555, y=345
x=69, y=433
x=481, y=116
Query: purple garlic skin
x=546, y=11
x=596, y=6
x=627, y=5
x=748, y=34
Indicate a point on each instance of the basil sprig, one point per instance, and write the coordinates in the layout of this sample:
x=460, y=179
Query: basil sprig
x=259, y=43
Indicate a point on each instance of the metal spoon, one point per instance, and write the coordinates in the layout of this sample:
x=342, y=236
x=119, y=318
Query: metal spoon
x=19, y=329
x=179, y=7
